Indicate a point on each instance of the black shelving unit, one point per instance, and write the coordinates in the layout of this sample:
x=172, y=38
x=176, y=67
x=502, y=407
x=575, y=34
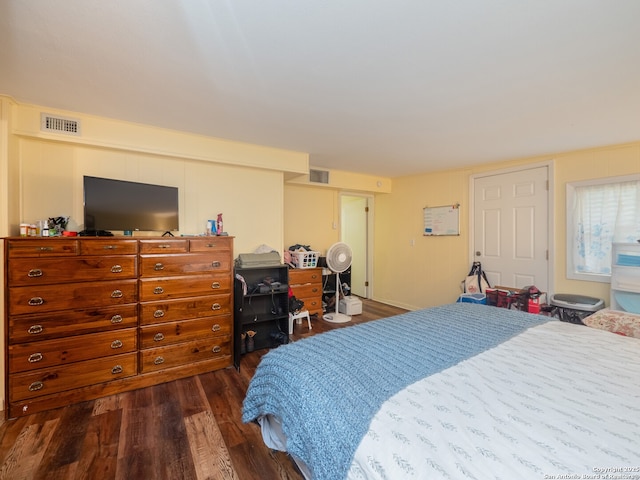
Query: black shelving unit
x=261, y=304
x=329, y=287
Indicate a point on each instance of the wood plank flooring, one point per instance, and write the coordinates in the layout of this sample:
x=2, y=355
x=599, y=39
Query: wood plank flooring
x=181, y=430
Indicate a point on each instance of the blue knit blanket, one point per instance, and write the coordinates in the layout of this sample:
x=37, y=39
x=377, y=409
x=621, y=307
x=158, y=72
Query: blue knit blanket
x=327, y=388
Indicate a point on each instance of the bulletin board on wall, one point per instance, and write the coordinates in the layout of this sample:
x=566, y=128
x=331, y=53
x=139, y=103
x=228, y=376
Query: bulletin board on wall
x=442, y=220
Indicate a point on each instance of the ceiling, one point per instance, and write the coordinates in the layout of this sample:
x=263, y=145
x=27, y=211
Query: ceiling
x=388, y=87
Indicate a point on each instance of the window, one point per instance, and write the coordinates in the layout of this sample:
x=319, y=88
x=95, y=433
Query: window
x=600, y=212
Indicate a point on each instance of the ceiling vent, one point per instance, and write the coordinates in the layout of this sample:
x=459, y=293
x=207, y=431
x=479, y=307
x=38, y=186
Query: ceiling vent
x=319, y=176
x=51, y=123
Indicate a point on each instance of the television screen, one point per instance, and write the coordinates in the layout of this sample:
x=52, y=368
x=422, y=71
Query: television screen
x=120, y=205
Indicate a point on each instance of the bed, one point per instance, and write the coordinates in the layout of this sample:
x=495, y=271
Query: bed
x=458, y=391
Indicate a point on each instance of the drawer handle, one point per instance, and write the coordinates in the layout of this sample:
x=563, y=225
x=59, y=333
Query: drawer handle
x=35, y=386
x=216, y=264
x=314, y=276
x=116, y=269
x=158, y=266
x=110, y=247
x=158, y=337
x=117, y=294
x=216, y=349
x=117, y=369
x=46, y=249
x=211, y=245
x=164, y=245
x=35, y=357
x=216, y=327
x=216, y=306
x=35, y=329
x=35, y=301
x=158, y=290
x=159, y=360
x=34, y=272
x=315, y=290
x=215, y=285
x=116, y=344
x=116, y=319
x=158, y=314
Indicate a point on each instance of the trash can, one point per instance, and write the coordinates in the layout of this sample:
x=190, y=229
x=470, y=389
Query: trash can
x=572, y=308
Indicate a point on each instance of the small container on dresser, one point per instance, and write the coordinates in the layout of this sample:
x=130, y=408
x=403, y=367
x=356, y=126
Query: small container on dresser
x=306, y=284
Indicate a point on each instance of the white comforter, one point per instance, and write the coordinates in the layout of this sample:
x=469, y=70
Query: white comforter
x=558, y=401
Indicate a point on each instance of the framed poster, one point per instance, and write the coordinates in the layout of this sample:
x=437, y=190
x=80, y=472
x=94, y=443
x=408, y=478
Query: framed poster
x=443, y=220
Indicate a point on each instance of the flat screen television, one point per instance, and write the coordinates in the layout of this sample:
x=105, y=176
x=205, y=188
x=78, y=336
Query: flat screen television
x=129, y=206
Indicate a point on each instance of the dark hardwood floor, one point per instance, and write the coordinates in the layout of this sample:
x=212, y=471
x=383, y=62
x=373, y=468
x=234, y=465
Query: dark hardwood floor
x=186, y=429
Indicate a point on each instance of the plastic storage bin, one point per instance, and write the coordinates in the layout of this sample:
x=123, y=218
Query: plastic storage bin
x=573, y=308
x=350, y=305
x=305, y=259
x=472, y=298
x=625, y=277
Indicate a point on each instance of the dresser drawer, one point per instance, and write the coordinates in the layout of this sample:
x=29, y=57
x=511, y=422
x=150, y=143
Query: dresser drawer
x=305, y=275
x=189, y=308
x=51, y=247
x=40, y=271
x=29, y=328
x=154, y=359
x=307, y=290
x=183, y=264
x=47, y=381
x=50, y=298
x=185, y=286
x=164, y=246
x=312, y=304
x=185, y=330
x=625, y=278
x=108, y=246
x=207, y=244
x=61, y=351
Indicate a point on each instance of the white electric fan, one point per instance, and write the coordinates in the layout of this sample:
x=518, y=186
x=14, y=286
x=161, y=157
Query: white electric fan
x=339, y=258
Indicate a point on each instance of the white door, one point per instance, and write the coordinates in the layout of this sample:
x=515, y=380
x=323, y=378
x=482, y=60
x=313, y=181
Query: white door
x=510, y=231
x=354, y=232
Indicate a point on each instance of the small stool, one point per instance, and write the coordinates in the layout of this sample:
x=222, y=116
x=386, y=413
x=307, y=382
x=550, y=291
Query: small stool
x=298, y=318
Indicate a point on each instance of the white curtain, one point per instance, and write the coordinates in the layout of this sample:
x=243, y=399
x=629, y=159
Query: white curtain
x=604, y=214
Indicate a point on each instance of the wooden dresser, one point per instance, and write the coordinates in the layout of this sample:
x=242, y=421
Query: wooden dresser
x=185, y=303
x=88, y=317
x=306, y=284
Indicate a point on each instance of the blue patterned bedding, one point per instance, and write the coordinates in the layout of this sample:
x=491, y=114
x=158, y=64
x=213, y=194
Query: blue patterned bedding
x=327, y=388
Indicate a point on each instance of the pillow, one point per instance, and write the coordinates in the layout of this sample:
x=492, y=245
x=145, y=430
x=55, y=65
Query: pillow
x=622, y=323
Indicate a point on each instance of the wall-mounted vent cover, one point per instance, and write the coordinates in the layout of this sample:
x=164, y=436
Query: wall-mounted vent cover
x=319, y=176
x=54, y=124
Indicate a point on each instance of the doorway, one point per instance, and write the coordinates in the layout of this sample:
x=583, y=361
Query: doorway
x=511, y=226
x=355, y=231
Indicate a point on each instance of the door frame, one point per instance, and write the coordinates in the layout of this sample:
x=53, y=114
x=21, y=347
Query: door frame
x=369, y=237
x=551, y=247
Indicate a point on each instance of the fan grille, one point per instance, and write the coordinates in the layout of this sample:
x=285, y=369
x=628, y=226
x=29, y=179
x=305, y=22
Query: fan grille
x=339, y=257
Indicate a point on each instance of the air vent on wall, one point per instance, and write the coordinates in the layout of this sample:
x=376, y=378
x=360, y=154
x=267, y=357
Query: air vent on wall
x=51, y=123
x=319, y=176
